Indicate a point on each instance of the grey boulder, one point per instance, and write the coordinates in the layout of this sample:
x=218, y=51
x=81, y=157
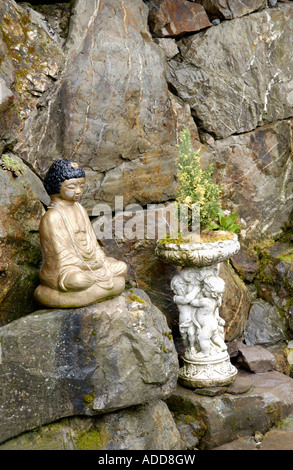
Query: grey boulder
x=85, y=361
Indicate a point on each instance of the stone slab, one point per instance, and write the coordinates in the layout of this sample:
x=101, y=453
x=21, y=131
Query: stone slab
x=256, y=358
x=86, y=361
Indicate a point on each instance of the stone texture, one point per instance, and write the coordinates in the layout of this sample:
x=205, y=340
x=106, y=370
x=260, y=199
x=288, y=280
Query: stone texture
x=235, y=303
x=256, y=358
x=256, y=171
x=228, y=416
x=169, y=46
x=146, y=427
x=240, y=386
x=56, y=17
x=283, y=354
x=242, y=443
x=20, y=215
x=228, y=10
x=265, y=325
x=6, y=96
x=246, y=264
x=30, y=64
x=279, y=438
x=243, y=87
x=189, y=416
x=190, y=429
x=172, y=19
x=273, y=280
x=92, y=360
x=282, y=260
x=148, y=272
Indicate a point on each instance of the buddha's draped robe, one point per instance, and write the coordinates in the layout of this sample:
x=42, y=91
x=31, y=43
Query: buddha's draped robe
x=71, y=246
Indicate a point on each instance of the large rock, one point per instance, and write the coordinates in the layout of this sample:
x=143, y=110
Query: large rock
x=111, y=110
x=171, y=19
x=232, y=76
x=92, y=360
x=20, y=251
x=145, y=427
x=278, y=438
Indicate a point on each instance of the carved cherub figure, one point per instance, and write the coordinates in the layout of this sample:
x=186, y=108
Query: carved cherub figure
x=206, y=316
x=186, y=325
x=186, y=286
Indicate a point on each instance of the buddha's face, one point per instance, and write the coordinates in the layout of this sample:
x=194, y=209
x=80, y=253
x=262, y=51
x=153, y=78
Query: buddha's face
x=72, y=190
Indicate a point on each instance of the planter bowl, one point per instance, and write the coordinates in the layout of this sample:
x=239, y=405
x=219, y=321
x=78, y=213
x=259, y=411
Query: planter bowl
x=191, y=254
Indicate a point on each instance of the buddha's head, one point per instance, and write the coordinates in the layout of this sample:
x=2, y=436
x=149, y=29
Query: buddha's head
x=65, y=179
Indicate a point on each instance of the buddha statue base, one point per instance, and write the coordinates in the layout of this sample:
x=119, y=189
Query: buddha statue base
x=52, y=298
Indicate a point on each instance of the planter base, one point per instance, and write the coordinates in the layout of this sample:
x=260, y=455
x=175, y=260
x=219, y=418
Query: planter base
x=207, y=372
x=198, y=291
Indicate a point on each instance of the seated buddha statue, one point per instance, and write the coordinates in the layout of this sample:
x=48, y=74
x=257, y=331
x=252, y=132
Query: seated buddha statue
x=75, y=270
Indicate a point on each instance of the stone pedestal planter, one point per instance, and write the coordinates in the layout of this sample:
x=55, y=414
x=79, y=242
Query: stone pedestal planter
x=198, y=293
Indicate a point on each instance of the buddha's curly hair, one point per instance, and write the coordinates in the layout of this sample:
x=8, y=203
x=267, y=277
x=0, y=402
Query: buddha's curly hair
x=60, y=171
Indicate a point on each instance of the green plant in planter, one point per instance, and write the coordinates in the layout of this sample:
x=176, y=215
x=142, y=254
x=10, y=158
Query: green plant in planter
x=196, y=185
x=10, y=164
x=226, y=222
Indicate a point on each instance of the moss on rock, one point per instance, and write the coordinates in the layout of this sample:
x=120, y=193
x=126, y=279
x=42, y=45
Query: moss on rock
x=94, y=440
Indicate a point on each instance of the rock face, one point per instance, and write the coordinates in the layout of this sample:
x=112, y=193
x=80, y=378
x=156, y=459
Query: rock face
x=265, y=325
x=84, y=361
x=277, y=272
x=111, y=110
x=20, y=214
x=272, y=275
x=215, y=65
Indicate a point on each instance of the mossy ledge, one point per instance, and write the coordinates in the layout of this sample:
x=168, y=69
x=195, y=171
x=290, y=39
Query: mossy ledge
x=206, y=236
